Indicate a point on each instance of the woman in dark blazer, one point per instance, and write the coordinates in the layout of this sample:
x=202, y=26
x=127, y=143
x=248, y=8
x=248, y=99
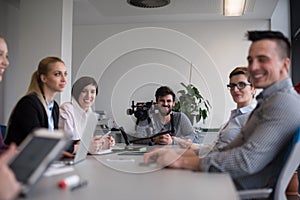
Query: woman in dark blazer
x=38, y=109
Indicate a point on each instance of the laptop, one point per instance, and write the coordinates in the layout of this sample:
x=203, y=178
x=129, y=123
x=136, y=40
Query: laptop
x=84, y=141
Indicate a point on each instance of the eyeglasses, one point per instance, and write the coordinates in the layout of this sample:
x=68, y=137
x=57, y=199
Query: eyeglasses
x=239, y=85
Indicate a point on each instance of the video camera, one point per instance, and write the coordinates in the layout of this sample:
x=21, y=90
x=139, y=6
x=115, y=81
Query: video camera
x=140, y=110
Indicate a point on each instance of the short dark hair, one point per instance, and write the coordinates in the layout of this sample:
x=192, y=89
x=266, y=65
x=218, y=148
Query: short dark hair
x=240, y=70
x=163, y=91
x=80, y=84
x=282, y=42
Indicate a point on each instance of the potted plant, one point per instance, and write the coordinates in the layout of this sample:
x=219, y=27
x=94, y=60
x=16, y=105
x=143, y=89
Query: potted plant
x=192, y=103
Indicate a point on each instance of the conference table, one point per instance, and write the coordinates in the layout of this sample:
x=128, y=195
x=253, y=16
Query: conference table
x=115, y=176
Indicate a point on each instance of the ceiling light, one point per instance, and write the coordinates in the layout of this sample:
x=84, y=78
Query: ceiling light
x=233, y=7
x=148, y=3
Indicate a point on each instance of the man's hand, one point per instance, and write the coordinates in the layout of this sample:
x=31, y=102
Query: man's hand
x=163, y=139
x=186, y=144
x=174, y=158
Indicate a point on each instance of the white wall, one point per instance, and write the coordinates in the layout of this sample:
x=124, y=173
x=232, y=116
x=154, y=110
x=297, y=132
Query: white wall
x=34, y=29
x=128, y=69
x=131, y=61
x=280, y=19
x=9, y=28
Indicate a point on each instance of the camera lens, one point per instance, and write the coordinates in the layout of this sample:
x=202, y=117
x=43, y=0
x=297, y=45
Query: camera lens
x=141, y=114
x=129, y=111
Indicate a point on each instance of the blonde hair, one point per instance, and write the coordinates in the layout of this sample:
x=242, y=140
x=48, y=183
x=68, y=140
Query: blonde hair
x=1, y=37
x=36, y=84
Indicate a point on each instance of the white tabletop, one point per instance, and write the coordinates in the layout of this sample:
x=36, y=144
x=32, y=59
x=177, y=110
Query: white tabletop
x=122, y=177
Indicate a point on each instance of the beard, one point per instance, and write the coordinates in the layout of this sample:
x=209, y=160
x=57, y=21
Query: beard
x=165, y=110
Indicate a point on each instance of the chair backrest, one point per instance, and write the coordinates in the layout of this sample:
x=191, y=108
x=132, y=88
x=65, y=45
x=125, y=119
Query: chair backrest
x=290, y=165
x=3, y=130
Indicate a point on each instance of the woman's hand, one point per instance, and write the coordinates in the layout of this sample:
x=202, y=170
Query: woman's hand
x=9, y=186
x=66, y=154
x=111, y=141
x=99, y=143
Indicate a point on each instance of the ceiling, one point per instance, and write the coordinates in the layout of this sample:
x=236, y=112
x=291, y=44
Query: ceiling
x=97, y=12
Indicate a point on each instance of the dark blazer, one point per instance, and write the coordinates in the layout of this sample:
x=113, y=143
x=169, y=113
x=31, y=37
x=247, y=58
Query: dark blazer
x=28, y=114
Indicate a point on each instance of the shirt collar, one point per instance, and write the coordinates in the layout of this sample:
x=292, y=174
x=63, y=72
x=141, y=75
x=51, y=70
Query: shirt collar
x=248, y=108
x=282, y=85
x=78, y=108
x=242, y=110
x=50, y=105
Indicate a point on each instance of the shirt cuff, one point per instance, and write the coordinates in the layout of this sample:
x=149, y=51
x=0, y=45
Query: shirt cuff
x=204, y=164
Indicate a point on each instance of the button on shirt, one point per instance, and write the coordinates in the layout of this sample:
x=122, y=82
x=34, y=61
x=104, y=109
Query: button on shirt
x=232, y=128
x=50, y=117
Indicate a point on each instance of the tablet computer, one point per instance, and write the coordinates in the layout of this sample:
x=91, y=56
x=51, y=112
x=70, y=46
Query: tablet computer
x=36, y=153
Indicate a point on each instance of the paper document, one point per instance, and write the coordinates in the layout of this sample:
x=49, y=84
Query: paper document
x=56, y=169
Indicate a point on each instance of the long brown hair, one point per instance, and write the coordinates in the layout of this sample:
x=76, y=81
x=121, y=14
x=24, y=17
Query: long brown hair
x=36, y=84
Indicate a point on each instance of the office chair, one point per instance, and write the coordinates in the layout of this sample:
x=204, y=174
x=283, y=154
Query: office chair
x=290, y=165
x=3, y=130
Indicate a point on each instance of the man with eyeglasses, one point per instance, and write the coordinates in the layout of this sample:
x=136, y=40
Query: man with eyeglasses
x=254, y=158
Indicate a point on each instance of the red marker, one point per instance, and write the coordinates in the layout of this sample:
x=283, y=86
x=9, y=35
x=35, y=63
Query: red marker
x=69, y=182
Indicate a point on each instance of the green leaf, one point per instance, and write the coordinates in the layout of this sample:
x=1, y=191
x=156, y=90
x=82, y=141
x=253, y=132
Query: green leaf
x=191, y=101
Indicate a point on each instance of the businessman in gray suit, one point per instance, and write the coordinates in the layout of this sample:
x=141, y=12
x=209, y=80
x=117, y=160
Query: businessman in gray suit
x=254, y=158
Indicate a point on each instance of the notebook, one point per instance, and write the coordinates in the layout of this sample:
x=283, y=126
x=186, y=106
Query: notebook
x=85, y=140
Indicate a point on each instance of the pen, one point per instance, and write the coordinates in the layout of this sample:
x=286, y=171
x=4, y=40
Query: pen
x=106, y=134
x=81, y=184
x=102, y=136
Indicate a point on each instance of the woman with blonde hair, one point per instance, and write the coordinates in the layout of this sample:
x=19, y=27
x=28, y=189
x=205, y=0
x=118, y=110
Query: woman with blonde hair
x=38, y=109
x=3, y=65
x=9, y=186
